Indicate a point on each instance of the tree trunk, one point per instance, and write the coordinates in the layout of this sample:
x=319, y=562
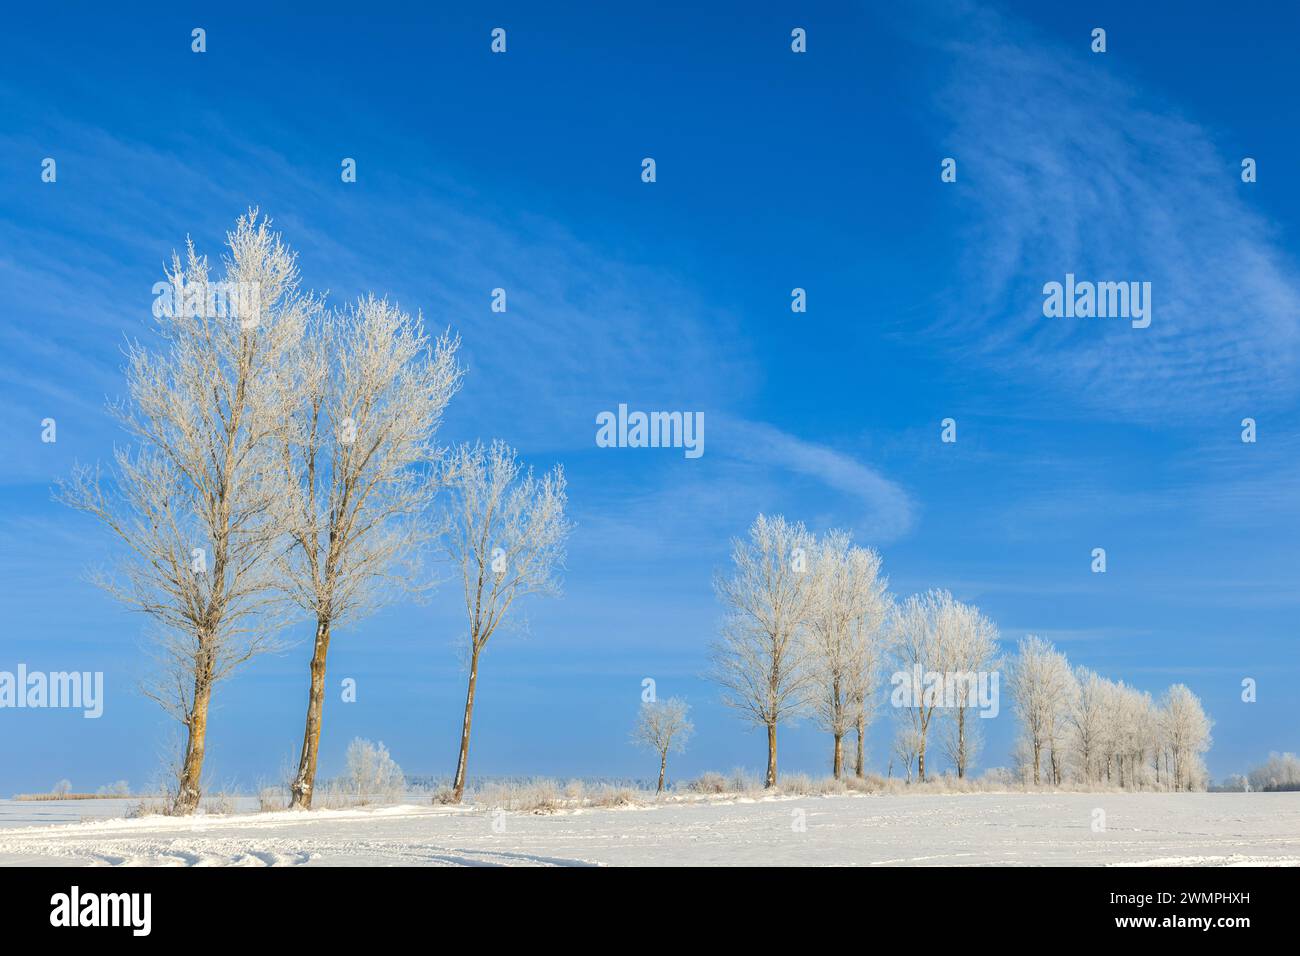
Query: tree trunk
x=458, y=787
x=858, y=770
x=771, y=755
x=189, y=785
x=961, y=742
x=920, y=762
x=837, y=762
x=663, y=768
x=305, y=782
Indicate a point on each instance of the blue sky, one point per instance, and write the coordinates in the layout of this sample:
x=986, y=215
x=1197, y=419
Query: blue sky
x=775, y=170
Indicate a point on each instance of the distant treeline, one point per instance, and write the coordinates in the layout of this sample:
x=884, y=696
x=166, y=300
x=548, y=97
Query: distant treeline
x=61, y=796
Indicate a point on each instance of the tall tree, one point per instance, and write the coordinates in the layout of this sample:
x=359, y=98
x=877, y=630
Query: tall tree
x=193, y=499
x=1040, y=681
x=1087, y=720
x=371, y=390
x=846, y=609
x=924, y=626
x=661, y=726
x=1186, y=729
x=971, y=653
x=505, y=530
x=759, y=661
x=874, y=641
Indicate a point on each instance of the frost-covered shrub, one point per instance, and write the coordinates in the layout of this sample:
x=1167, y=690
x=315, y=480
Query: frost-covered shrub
x=575, y=790
x=742, y=781
x=221, y=803
x=272, y=799
x=611, y=795
x=119, y=788
x=372, y=774
x=708, y=782
x=156, y=805
x=796, y=784
x=536, y=796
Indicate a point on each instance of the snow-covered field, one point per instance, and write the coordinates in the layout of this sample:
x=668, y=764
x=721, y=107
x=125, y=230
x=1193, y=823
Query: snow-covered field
x=966, y=829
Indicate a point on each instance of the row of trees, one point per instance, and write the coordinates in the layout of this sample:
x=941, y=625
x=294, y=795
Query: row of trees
x=810, y=628
x=1077, y=725
x=802, y=632
x=284, y=461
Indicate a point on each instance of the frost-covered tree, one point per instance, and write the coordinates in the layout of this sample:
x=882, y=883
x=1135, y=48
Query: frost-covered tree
x=971, y=651
x=874, y=642
x=370, y=390
x=845, y=613
x=372, y=774
x=661, y=726
x=1040, y=683
x=907, y=744
x=1131, y=732
x=1087, y=723
x=1186, y=730
x=924, y=627
x=1279, y=772
x=760, y=659
x=193, y=498
x=505, y=530
x=1057, y=729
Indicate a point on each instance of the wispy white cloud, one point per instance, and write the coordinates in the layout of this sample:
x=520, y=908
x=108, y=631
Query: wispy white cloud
x=1073, y=169
x=886, y=510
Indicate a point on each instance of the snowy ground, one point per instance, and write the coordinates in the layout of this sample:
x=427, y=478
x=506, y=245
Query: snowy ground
x=968, y=829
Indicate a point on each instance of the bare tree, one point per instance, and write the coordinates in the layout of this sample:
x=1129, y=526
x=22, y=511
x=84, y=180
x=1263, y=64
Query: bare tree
x=759, y=660
x=371, y=391
x=505, y=529
x=846, y=609
x=970, y=653
x=193, y=499
x=662, y=726
x=1040, y=681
